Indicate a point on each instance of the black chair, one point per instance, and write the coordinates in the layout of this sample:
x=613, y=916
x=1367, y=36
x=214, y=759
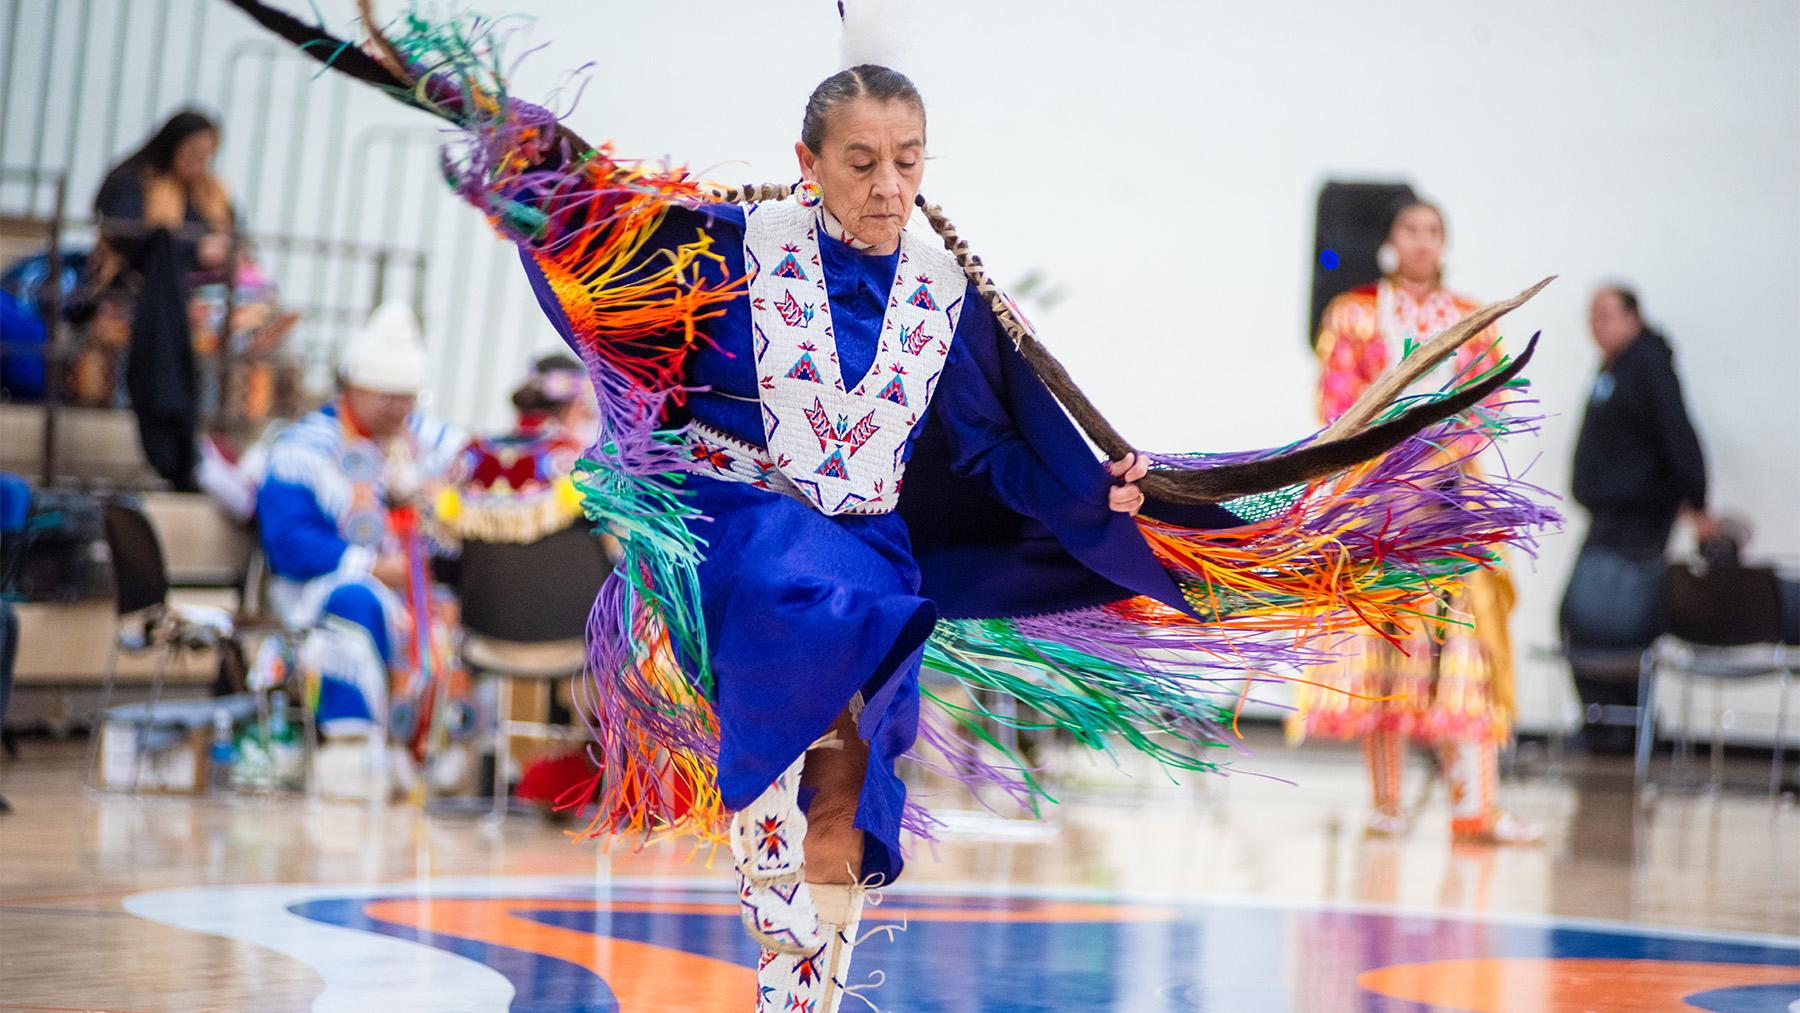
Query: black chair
x=1726, y=625
x=147, y=621
x=525, y=612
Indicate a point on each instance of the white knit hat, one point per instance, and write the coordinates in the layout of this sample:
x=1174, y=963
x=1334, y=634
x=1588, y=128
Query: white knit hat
x=388, y=355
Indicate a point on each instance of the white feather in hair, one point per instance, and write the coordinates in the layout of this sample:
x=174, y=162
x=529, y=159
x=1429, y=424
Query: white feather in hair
x=878, y=31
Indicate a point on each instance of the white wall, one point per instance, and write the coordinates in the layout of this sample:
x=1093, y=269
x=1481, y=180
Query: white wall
x=1159, y=162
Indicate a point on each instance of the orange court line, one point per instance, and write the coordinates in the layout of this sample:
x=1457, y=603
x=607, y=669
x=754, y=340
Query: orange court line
x=1550, y=985
x=638, y=974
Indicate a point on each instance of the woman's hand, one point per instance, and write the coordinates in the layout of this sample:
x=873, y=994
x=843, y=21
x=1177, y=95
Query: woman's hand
x=213, y=249
x=1706, y=526
x=1126, y=497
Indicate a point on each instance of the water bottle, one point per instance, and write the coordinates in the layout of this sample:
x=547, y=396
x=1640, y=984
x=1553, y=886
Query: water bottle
x=219, y=770
x=279, y=729
x=287, y=758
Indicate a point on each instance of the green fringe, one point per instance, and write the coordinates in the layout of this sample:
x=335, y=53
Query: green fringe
x=1101, y=703
x=648, y=514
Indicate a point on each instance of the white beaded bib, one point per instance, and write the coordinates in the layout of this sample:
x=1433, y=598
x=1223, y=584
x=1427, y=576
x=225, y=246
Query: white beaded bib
x=840, y=443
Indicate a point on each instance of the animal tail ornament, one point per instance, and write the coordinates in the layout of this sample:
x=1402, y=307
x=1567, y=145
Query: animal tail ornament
x=1359, y=526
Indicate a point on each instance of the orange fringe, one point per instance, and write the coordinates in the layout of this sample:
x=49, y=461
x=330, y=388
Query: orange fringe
x=645, y=791
x=640, y=312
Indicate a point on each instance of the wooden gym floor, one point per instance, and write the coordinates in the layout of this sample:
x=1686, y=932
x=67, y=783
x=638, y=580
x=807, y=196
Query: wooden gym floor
x=1236, y=893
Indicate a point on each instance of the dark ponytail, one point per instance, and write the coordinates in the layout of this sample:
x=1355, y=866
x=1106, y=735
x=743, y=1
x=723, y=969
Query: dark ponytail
x=864, y=81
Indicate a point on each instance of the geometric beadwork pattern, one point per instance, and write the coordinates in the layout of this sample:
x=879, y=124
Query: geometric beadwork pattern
x=840, y=441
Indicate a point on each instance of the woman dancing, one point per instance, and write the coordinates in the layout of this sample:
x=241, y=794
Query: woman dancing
x=834, y=453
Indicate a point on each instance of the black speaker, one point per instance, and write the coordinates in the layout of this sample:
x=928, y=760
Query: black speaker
x=1351, y=224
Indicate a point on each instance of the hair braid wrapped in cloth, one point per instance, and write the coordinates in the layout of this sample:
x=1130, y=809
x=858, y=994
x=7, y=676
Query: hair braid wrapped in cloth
x=1357, y=527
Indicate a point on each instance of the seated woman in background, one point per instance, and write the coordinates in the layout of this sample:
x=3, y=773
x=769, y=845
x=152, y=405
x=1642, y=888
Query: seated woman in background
x=162, y=215
x=156, y=288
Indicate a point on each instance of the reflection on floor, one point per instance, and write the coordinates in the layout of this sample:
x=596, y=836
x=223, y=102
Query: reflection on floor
x=1228, y=894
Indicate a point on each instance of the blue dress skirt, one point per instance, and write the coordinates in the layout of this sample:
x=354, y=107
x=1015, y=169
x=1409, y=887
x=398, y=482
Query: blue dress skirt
x=802, y=612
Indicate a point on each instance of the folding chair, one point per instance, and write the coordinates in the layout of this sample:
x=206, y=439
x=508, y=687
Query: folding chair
x=525, y=612
x=147, y=621
x=1726, y=625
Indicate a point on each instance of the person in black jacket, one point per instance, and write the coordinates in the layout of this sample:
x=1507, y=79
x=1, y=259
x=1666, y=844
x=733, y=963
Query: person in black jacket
x=1638, y=467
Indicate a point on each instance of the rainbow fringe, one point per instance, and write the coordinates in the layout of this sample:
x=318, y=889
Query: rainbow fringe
x=1365, y=549
x=635, y=313
x=1370, y=549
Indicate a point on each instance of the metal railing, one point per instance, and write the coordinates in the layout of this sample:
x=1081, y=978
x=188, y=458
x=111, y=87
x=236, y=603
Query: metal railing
x=65, y=82
x=340, y=190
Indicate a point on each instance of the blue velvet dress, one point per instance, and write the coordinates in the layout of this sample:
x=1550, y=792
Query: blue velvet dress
x=1004, y=513
x=804, y=610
